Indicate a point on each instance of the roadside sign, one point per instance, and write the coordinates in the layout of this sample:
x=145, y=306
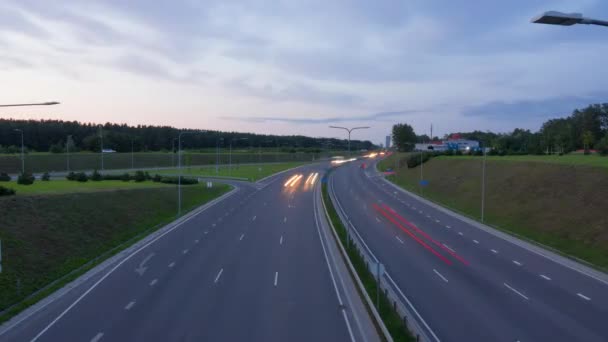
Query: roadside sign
x=424, y=182
x=378, y=270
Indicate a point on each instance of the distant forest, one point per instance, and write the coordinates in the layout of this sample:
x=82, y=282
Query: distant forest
x=584, y=129
x=53, y=135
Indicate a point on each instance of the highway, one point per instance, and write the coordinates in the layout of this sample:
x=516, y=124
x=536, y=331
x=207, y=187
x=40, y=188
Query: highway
x=468, y=283
x=258, y=265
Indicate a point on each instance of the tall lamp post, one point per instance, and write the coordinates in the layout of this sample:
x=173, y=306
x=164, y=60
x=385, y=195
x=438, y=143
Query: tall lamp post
x=67, y=151
x=566, y=19
x=101, y=145
x=349, y=130
x=132, y=154
x=50, y=103
x=230, y=153
x=179, y=162
x=22, y=151
x=217, y=154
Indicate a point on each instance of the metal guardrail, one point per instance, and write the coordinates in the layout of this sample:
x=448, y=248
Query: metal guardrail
x=412, y=319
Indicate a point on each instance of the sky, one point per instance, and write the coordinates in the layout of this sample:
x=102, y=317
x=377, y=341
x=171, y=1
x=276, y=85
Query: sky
x=296, y=67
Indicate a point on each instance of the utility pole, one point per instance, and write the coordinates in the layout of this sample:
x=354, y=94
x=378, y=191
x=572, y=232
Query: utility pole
x=349, y=130
x=132, y=155
x=101, y=142
x=483, y=185
x=22, y=151
x=67, y=150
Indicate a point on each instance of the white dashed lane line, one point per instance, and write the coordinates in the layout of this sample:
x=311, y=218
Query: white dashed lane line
x=583, y=296
x=285, y=219
x=242, y=236
x=281, y=240
x=153, y=282
x=517, y=262
x=448, y=227
x=477, y=242
x=196, y=241
x=185, y=251
x=276, y=278
x=219, y=274
x=494, y=251
x=130, y=305
x=398, y=239
x=253, y=219
x=545, y=277
x=97, y=337
x=377, y=219
x=171, y=265
x=448, y=247
x=440, y=276
x=514, y=290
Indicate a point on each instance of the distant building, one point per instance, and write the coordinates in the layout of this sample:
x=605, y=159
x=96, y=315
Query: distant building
x=388, y=142
x=454, y=143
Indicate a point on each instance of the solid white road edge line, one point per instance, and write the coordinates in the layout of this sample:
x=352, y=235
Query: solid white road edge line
x=440, y=276
x=514, y=290
x=219, y=274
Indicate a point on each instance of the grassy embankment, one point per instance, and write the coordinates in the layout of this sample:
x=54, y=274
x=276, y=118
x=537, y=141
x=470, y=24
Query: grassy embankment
x=390, y=317
x=250, y=172
x=58, y=235
x=557, y=201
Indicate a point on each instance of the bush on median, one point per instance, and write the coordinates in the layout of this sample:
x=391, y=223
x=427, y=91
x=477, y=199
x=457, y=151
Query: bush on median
x=4, y=177
x=6, y=191
x=26, y=179
x=46, y=177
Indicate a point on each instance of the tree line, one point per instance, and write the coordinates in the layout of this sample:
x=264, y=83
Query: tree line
x=584, y=129
x=57, y=136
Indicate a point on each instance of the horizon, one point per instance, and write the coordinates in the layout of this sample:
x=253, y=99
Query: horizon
x=291, y=70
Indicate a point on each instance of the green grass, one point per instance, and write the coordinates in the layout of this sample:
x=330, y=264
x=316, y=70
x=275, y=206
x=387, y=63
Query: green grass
x=390, y=317
x=42, y=162
x=561, y=206
x=65, y=186
x=250, y=172
x=46, y=237
x=568, y=159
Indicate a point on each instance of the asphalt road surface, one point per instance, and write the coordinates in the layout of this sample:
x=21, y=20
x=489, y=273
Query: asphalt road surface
x=256, y=266
x=469, y=284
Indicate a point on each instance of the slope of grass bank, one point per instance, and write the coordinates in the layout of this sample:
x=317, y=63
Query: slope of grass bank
x=250, y=172
x=45, y=237
x=64, y=186
x=562, y=206
x=568, y=159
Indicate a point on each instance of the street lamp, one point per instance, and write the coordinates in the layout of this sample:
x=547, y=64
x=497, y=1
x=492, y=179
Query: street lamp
x=31, y=104
x=217, y=155
x=179, y=178
x=67, y=150
x=22, y=151
x=230, y=154
x=566, y=19
x=349, y=130
x=101, y=145
x=132, y=155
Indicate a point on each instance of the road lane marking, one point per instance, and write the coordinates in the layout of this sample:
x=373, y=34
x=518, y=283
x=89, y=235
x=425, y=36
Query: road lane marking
x=171, y=265
x=460, y=233
x=448, y=247
x=428, y=216
x=494, y=251
x=440, y=276
x=364, y=206
x=254, y=217
x=377, y=219
x=97, y=337
x=206, y=232
x=396, y=237
x=437, y=221
x=285, y=219
x=476, y=241
x=514, y=290
x=413, y=207
x=448, y=227
x=217, y=277
x=517, y=262
x=213, y=225
x=219, y=219
x=242, y=236
x=420, y=211
x=545, y=277
x=153, y=282
x=196, y=241
x=264, y=203
x=583, y=296
x=281, y=240
x=185, y=251
x=276, y=278
x=130, y=305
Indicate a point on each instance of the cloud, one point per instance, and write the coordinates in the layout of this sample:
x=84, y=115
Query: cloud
x=324, y=120
x=534, y=109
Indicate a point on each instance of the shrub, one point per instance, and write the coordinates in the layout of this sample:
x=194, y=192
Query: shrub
x=71, y=176
x=125, y=177
x=415, y=160
x=448, y=153
x=112, y=177
x=46, y=177
x=502, y=153
x=96, y=176
x=6, y=191
x=478, y=153
x=26, y=179
x=157, y=178
x=174, y=180
x=147, y=175
x=81, y=177
x=4, y=177
x=458, y=152
x=139, y=176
